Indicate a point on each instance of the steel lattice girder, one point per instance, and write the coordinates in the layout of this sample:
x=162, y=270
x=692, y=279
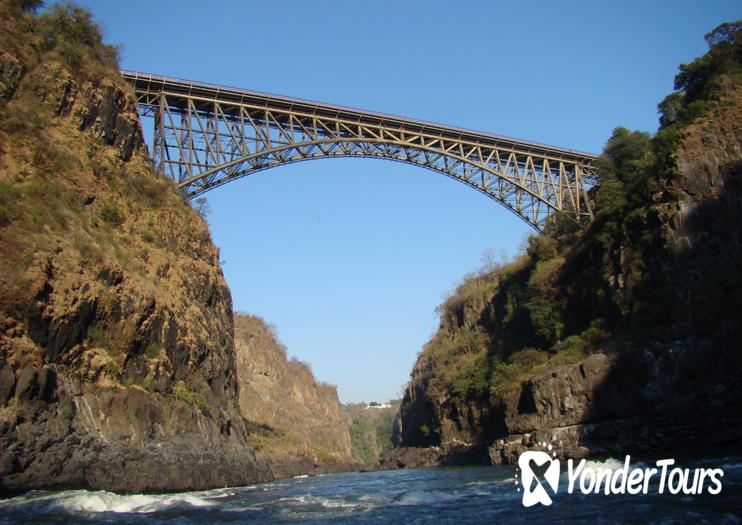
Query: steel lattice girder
x=206, y=136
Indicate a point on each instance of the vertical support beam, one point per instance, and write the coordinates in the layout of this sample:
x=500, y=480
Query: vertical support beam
x=189, y=139
x=214, y=122
x=578, y=193
x=582, y=190
x=158, y=140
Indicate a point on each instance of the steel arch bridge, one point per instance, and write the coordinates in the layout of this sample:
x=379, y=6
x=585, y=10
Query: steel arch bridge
x=207, y=135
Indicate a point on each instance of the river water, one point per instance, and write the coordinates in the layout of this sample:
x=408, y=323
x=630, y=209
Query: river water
x=465, y=495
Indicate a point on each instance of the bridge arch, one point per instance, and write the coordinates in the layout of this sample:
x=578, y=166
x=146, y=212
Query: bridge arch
x=206, y=136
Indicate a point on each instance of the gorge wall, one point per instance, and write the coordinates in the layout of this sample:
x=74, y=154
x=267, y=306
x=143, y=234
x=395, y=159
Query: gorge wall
x=116, y=346
x=623, y=338
x=296, y=422
x=118, y=363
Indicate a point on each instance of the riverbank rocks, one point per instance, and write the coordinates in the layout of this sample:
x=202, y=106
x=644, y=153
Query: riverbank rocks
x=646, y=400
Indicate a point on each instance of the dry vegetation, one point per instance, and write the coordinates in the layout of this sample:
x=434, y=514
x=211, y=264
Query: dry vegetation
x=292, y=414
x=80, y=205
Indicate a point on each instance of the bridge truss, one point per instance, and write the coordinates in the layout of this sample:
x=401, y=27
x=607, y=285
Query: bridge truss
x=206, y=136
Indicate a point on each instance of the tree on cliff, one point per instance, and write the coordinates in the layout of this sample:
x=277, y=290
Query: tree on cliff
x=700, y=81
x=26, y=5
x=72, y=31
x=622, y=283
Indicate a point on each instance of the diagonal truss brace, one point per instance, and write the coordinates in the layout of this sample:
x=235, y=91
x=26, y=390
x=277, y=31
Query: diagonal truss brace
x=206, y=136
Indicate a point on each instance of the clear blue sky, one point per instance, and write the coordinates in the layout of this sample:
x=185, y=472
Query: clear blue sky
x=348, y=258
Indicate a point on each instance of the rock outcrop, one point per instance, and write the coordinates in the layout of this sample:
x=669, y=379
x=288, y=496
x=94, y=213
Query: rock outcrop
x=624, y=338
x=642, y=401
x=117, y=363
x=296, y=422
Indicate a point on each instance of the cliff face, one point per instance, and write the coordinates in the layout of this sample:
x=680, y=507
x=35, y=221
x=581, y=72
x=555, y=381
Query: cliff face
x=295, y=420
x=702, y=224
x=680, y=396
x=116, y=347
x=623, y=338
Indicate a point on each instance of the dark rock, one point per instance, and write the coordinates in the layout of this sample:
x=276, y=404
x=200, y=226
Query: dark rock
x=7, y=384
x=26, y=386
x=448, y=454
x=632, y=402
x=411, y=457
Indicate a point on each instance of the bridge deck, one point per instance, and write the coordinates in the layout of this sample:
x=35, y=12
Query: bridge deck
x=148, y=84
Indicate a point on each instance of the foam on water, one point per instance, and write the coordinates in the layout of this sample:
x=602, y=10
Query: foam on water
x=310, y=500
x=452, y=495
x=109, y=502
x=480, y=483
x=307, y=505
x=331, y=503
x=416, y=497
x=605, y=464
x=102, y=501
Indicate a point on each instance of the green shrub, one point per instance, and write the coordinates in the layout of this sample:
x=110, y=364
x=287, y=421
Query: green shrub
x=71, y=30
x=115, y=338
x=148, y=236
x=112, y=370
x=258, y=441
x=197, y=399
x=154, y=351
x=430, y=431
x=360, y=440
x=529, y=358
x=503, y=378
x=542, y=247
x=147, y=383
x=26, y=5
x=111, y=215
x=577, y=347
x=89, y=251
x=323, y=455
x=9, y=195
x=98, y=337
x=546, y=316
x=471, y=377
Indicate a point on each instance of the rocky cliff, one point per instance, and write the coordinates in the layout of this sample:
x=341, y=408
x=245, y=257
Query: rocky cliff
x=116, y=335
x=619, y=339
x=296, y=422
x=682, y=396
